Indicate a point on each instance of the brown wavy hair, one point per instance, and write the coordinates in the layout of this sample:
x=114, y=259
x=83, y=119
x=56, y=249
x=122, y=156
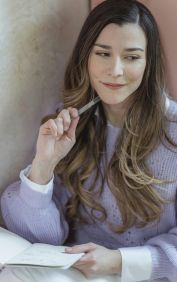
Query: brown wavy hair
x=129, y=178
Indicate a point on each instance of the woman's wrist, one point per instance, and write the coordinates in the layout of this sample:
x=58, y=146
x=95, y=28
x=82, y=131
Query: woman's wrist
x=41, y=172
x=117, y=262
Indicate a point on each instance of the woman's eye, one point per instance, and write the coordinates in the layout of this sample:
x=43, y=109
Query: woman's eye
x=102, y=54
x=131, y=58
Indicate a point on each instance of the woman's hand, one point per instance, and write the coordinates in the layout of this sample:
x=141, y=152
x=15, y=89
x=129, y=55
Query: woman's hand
x=97, y=261
x=56, y=138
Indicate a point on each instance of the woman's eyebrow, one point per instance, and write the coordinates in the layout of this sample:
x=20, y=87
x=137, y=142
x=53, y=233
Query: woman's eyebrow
x=103, y=46
x=134, y=49
x=126, y=49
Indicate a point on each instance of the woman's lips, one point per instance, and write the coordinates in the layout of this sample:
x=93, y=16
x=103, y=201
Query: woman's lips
x=113, y=85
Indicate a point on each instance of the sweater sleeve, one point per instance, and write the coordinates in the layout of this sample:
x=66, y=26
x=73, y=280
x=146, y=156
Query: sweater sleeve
x=157, y=259
x=163, y=250
x=36, y=212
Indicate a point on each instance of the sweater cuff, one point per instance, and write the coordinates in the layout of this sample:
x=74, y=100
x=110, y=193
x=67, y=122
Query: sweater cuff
x=35, y=195
x=136, y=264
x=159, y=263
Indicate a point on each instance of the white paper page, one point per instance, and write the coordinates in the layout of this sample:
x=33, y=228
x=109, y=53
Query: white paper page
x=50, y=275
x=45, y=255
x=11, y=245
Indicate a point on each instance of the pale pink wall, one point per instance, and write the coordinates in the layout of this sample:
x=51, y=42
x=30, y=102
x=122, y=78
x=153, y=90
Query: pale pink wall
x=165, y=14
x=94, y=3
x=166, y=17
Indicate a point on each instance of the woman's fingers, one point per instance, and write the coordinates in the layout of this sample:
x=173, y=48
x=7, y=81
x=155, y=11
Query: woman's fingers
x=65, y=115
x=74, y=121
x=83, y=248
x=70, y=120
x=87, y=258
x=66, y=122
x=49, y=128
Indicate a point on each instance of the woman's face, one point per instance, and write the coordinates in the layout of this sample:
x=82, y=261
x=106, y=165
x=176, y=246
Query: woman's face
x=117, y=62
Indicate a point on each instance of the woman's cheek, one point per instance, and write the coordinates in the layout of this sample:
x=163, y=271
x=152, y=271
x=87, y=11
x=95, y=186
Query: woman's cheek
x=136, y=73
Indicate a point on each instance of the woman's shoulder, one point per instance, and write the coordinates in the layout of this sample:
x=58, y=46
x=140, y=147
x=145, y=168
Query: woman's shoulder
x=171, y=110
x=171, y=118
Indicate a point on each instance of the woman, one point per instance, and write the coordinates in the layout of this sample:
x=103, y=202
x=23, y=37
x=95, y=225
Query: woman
x=113, y=193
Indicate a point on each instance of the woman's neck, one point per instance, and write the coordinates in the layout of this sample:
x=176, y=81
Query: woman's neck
x=115, y=114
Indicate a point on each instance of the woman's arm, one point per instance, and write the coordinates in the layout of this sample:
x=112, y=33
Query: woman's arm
x=157, y=259
x=163, y=250
x=30, y=210
x=29, y=207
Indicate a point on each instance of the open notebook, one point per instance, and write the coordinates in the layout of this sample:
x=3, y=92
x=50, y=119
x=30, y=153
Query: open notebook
x=18, y=252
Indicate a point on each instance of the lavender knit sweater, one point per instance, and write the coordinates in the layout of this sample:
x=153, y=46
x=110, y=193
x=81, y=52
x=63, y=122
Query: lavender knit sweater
x=39, y=216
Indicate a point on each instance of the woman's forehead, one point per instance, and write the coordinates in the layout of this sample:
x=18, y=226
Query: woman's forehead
x=126, y=35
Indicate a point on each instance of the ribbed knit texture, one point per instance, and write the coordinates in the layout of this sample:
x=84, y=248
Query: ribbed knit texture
x=39, y=217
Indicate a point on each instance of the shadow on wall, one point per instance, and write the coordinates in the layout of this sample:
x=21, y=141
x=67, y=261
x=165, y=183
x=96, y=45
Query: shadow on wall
x=36, y=40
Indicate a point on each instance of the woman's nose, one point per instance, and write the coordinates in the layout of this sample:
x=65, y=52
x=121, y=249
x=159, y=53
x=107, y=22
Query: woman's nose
x=116, y=68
